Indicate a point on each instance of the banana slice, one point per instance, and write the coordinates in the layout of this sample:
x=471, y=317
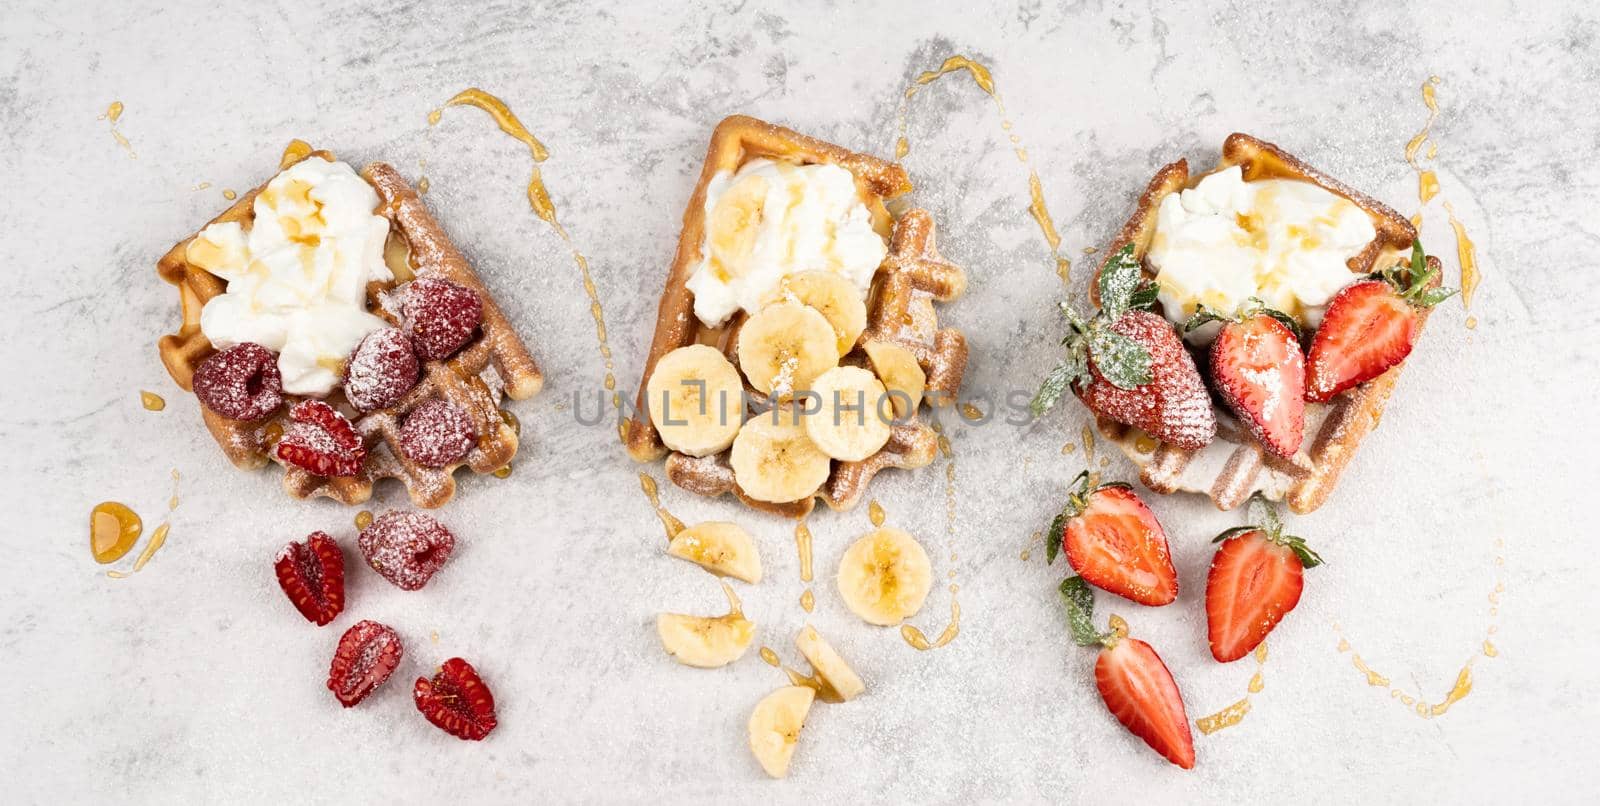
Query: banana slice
x=900, y=372
x=884, y=577
x=775, y=727
x=720, y=547
x=696, y=400
x=707, y=642
x=836, y=298
x=733, y=225
x=784, y=346
x=774, y=461
x=852, y=421
x=827, y=665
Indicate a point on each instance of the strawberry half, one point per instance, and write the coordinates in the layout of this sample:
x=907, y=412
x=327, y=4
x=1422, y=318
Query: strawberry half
x=1256, y=579
x=368, y=653
x=1136, y=685
x=1371, y=326
x=311, y=574
x=457, y=701
x=1129, y=365
x=1115, y=543
x=1257, y=367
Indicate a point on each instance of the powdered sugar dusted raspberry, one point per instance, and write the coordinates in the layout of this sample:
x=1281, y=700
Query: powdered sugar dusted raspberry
x=322, y=441
x=1174, y=406
x=381, y=370
x=440, y=316
x=240, y=383
x=437, y=433
x=406, y=548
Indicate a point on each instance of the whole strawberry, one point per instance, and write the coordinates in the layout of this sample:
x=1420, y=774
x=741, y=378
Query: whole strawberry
x=1255, y=580
x=1371, y=326
x=1136, y=685
x=1129, y=364
x=1114, y=542
x=1258, y=369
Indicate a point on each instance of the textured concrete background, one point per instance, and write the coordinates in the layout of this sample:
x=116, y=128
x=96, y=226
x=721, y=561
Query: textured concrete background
x=193, y=680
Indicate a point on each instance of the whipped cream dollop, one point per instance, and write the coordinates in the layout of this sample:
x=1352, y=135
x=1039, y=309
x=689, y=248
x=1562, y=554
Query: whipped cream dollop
x=771, y=219
x=297, y=278
x=1226, y=240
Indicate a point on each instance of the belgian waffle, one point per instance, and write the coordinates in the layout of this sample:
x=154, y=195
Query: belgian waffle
x=1235, y=465
x=494, y=363
x=900, y=309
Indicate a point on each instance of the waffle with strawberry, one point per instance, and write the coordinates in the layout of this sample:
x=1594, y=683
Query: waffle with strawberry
x=393, y=369
x=797, y=337
x=1290, y=384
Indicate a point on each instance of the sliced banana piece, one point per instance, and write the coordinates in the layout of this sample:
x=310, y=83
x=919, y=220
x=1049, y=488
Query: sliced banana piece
x=733, y=224
x=834, y=296
x=707, y=642
x=774, y=461
x=784, y=346
x=723, y=548
x=884, y=577
x=696, y=400
x=775, y=727
x=851, y=422
x=900, y=373
x=827, y=665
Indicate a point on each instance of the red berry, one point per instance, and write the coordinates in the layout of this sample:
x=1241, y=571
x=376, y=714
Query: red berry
x=457, y=701
x=240, y=383
x=440, y=316
x=1368, y=328
x=381, y=370
x=322, y=441
x=311, y=573
x=1258, y=369
x=1116, y=544
x=1141, y=694
x=406, y=548
x=1254, y=582
x=1174, y=406
x=367, y=655
x=437, y=433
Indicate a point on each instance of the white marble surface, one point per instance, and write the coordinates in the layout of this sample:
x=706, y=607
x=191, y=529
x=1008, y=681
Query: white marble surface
x=194, y=681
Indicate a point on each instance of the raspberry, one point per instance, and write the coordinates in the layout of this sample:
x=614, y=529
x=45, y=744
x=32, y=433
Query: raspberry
x=440, y=316
x=322, y=441
x=381, y=370
x=457, y=701
x=367, y=655
x=406, y=548
x=437, y=433
x=311, y=573
x=240, y=383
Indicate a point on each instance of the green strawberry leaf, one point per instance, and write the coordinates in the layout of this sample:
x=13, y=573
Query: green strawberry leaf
x=1286, y=320
x=1052, y=538
x=1144, y=297
x=1308, y=558
x=1079, y=598
x=1419, y=260
x=1119, y=279
x=1229, y=534
x=1434, y=296
x=1121, y=360
x=1202, y=315
x=1265, y=513
x=1058, y=381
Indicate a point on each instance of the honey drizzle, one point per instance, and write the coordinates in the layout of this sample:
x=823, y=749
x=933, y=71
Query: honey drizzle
x=802, y=544
x=114, y=529
x=113, y=114
x=875, y=513
x=363, y=519
x=158, y=537
x=908, y=632
x=151, y=401
x=539, y=200
x=985, y=81
x=1235, y=713
x=770, y=657
x=670, y=523
x=1428, y=189
x=808, y=601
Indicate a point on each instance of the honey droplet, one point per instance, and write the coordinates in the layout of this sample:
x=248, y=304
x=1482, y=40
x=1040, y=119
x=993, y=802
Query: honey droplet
x=503, y=473
x=113, y=111
x=422, y=185
x=363, y=519
x=971, y=412
x=152, y=401
x=802, y=543
x=158, y=538
x=230, y=194
x=1144, y=443
x=875, y=512
x=113, y=531
x=808, y=601
x=434, y=116
x=512, y=421
x=769, y=656
x=294, y=152
x=1490, y=650
x=1226, y=718
x=272, y=433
